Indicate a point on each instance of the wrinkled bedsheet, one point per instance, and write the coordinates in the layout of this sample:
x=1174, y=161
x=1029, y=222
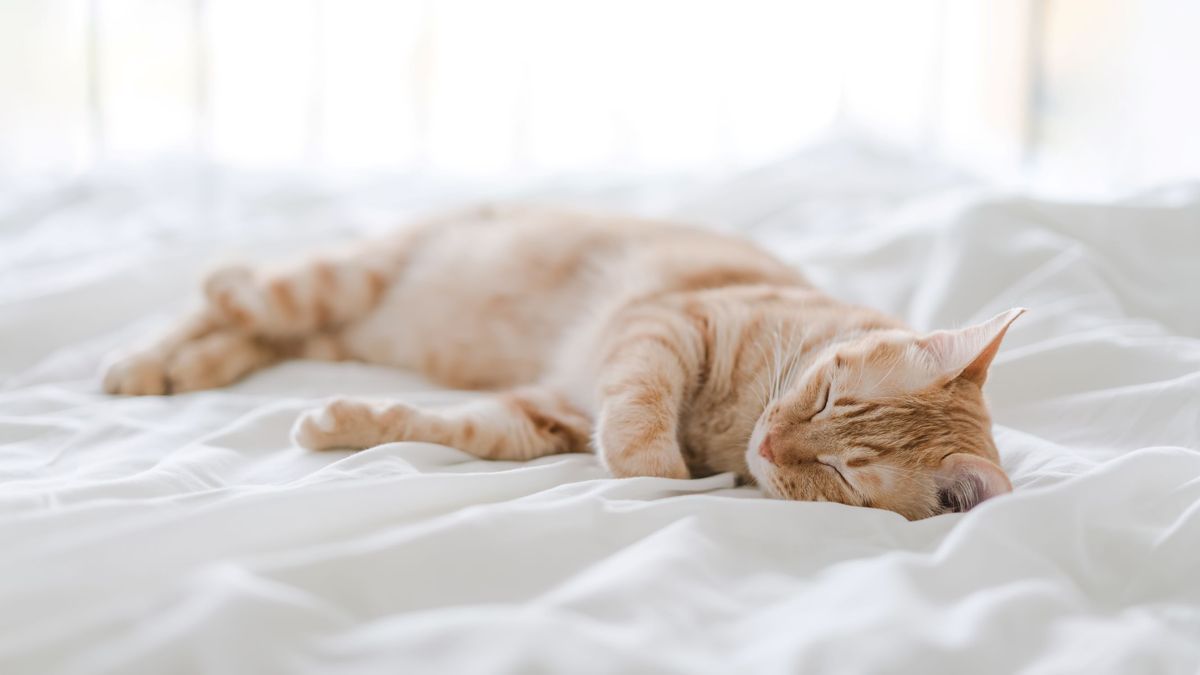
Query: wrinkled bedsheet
x=186, y=534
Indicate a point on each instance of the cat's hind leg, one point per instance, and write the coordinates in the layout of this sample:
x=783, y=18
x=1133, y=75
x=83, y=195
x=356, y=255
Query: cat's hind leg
x=302, y=299
x=205, y=350
x=516, y=425
x=189, y=359
x=143, y=371
x=254, y=318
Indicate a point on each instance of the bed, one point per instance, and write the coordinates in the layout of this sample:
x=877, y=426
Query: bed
x=186, y=534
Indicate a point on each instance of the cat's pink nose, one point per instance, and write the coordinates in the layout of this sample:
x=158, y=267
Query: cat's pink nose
x=764, y=450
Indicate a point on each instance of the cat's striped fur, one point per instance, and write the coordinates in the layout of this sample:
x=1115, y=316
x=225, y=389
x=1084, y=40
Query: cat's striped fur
x=669, y=351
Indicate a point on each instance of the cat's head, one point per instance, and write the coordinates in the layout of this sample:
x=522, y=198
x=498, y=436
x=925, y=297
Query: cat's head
x=891, y=420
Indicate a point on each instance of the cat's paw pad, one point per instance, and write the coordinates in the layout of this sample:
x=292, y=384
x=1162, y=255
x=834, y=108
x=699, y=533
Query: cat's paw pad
x=139, y=374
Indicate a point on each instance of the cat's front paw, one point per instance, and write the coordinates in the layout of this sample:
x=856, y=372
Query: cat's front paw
x=314, y=429
x=349, y=424
x=137, y=374
x=630, y=444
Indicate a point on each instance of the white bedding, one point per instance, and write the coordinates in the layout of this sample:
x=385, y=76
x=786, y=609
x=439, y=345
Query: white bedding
x=167, y=535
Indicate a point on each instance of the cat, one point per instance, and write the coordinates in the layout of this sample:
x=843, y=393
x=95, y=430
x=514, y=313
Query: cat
x=668, y=351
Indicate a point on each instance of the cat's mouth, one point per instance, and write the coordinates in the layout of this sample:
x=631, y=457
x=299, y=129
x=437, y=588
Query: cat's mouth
x=758, y=466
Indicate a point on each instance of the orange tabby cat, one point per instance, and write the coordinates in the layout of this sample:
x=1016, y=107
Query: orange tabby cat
x=668, y=351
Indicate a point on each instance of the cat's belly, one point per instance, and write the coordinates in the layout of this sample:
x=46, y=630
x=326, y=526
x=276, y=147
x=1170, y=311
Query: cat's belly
x=482, y=311
x=468, y=342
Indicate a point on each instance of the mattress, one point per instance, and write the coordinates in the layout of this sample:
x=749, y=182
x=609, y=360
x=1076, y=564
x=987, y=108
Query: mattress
x=187, y=534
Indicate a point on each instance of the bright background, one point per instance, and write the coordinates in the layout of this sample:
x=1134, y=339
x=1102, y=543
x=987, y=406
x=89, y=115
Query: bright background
x=1079, y=97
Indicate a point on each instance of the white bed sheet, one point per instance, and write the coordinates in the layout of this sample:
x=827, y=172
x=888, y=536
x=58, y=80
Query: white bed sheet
x=185, y=534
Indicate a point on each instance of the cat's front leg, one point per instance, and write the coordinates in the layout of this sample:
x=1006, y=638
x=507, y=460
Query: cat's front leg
x=644, y=381
x=515, y=425
x=636, y=442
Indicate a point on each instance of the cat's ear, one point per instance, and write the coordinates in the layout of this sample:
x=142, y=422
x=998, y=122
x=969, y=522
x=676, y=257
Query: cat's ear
x=967, y=352
x=963, y=481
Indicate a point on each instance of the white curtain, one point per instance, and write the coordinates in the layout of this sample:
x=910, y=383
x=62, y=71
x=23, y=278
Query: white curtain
x=486, y=87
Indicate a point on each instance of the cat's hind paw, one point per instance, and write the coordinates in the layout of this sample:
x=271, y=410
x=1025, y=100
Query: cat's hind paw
x=137, y=374
x=233, y=292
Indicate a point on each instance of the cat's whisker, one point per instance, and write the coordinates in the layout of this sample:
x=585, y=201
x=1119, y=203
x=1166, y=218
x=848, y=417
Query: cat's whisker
x=776, y=364
x=761, y=383
x=785, y=358
x=881, y=380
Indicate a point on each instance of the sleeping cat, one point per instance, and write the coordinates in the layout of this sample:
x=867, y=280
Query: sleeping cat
x=667, y=351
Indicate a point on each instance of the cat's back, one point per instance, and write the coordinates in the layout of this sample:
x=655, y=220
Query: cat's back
x=485, y=295
x=531, y=259
x=631, y=254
